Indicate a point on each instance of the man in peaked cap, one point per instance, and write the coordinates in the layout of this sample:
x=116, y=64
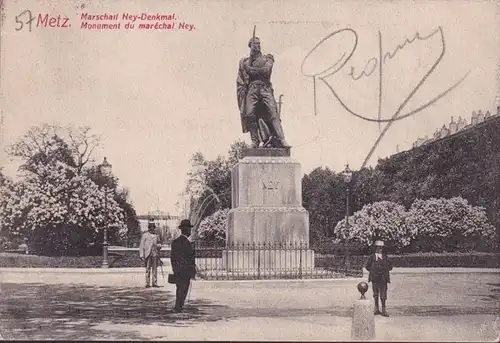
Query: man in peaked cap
x=149, y=251
x=182, y=258
x=379, y=266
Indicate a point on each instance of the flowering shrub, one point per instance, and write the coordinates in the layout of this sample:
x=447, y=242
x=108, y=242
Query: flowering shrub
x=5, y=243
x=430, y=225
x=214, y=227
x=60, y=199
x=449, y=224
x=380, y=220
x=53, y=198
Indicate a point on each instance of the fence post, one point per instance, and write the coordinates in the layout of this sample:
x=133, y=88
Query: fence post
x=229, y=265
x=286, y=250
x=258, y=261
x=280, y=255
x=201, y=260
x=215, y=258
x=243, y=256
x=347, y=262
x=274, y=263
x=300, y=262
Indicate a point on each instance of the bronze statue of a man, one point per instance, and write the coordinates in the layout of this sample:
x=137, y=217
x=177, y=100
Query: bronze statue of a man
x=258, y=108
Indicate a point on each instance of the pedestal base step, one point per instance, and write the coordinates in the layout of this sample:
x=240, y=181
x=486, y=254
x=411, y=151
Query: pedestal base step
x=317, y=273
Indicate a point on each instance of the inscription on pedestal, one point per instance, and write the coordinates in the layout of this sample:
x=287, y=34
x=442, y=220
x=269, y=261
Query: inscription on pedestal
x=274, y=181
x=271, y=184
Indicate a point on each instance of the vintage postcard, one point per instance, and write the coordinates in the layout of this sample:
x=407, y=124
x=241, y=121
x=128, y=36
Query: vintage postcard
x=250, y=170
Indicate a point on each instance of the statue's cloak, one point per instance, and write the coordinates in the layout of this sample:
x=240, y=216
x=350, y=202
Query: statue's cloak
x=242, y=83
x=242, y=89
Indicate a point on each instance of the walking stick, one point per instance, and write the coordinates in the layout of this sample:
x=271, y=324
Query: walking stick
x=189, y=291
x=161, y=267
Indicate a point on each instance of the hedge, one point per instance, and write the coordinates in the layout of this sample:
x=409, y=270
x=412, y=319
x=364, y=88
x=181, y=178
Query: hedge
x=450, y=260
x=419, y=260
x=475, y=260
x=12, y=260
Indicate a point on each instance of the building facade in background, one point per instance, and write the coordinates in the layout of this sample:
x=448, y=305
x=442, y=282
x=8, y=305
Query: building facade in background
x=166, y=224
x=456, y=126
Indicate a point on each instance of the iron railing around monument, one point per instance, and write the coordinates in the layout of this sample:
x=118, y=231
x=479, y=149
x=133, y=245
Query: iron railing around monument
x=267, y=260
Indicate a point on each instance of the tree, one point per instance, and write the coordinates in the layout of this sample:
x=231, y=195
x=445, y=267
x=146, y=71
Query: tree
x=59, y=201
x=216, y=191
x=236, y=152
x=7, y=195
x=209, y=182
x=39, y=140
x=195, y=183
x=323, y=193
x=218, y=180
x=365, y=184
x=462, y=165
x=130, y=234
x=62, y=210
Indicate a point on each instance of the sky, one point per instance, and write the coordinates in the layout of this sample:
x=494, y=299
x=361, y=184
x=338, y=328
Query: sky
x=158, y=96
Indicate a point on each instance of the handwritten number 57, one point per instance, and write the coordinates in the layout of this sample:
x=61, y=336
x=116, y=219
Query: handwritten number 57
x=21, y=22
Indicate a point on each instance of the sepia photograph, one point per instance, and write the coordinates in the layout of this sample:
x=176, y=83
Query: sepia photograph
x=230, y=170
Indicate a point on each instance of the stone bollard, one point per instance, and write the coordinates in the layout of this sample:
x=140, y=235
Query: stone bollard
x=363, y=319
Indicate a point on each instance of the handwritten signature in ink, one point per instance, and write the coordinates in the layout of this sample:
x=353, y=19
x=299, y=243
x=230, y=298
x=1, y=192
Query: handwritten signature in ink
x=370, y=67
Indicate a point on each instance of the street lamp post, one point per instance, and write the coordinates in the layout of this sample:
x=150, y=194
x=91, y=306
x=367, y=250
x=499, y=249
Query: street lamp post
x=347, y=174
x=105, y=171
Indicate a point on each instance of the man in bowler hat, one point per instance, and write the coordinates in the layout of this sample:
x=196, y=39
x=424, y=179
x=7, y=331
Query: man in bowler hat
x=379, y=267
x=149, y=252
x=182, y=257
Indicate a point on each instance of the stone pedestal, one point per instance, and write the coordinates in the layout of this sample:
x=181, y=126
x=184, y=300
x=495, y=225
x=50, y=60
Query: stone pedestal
x=259, y=224
x=363, y=320
x=267, y=208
